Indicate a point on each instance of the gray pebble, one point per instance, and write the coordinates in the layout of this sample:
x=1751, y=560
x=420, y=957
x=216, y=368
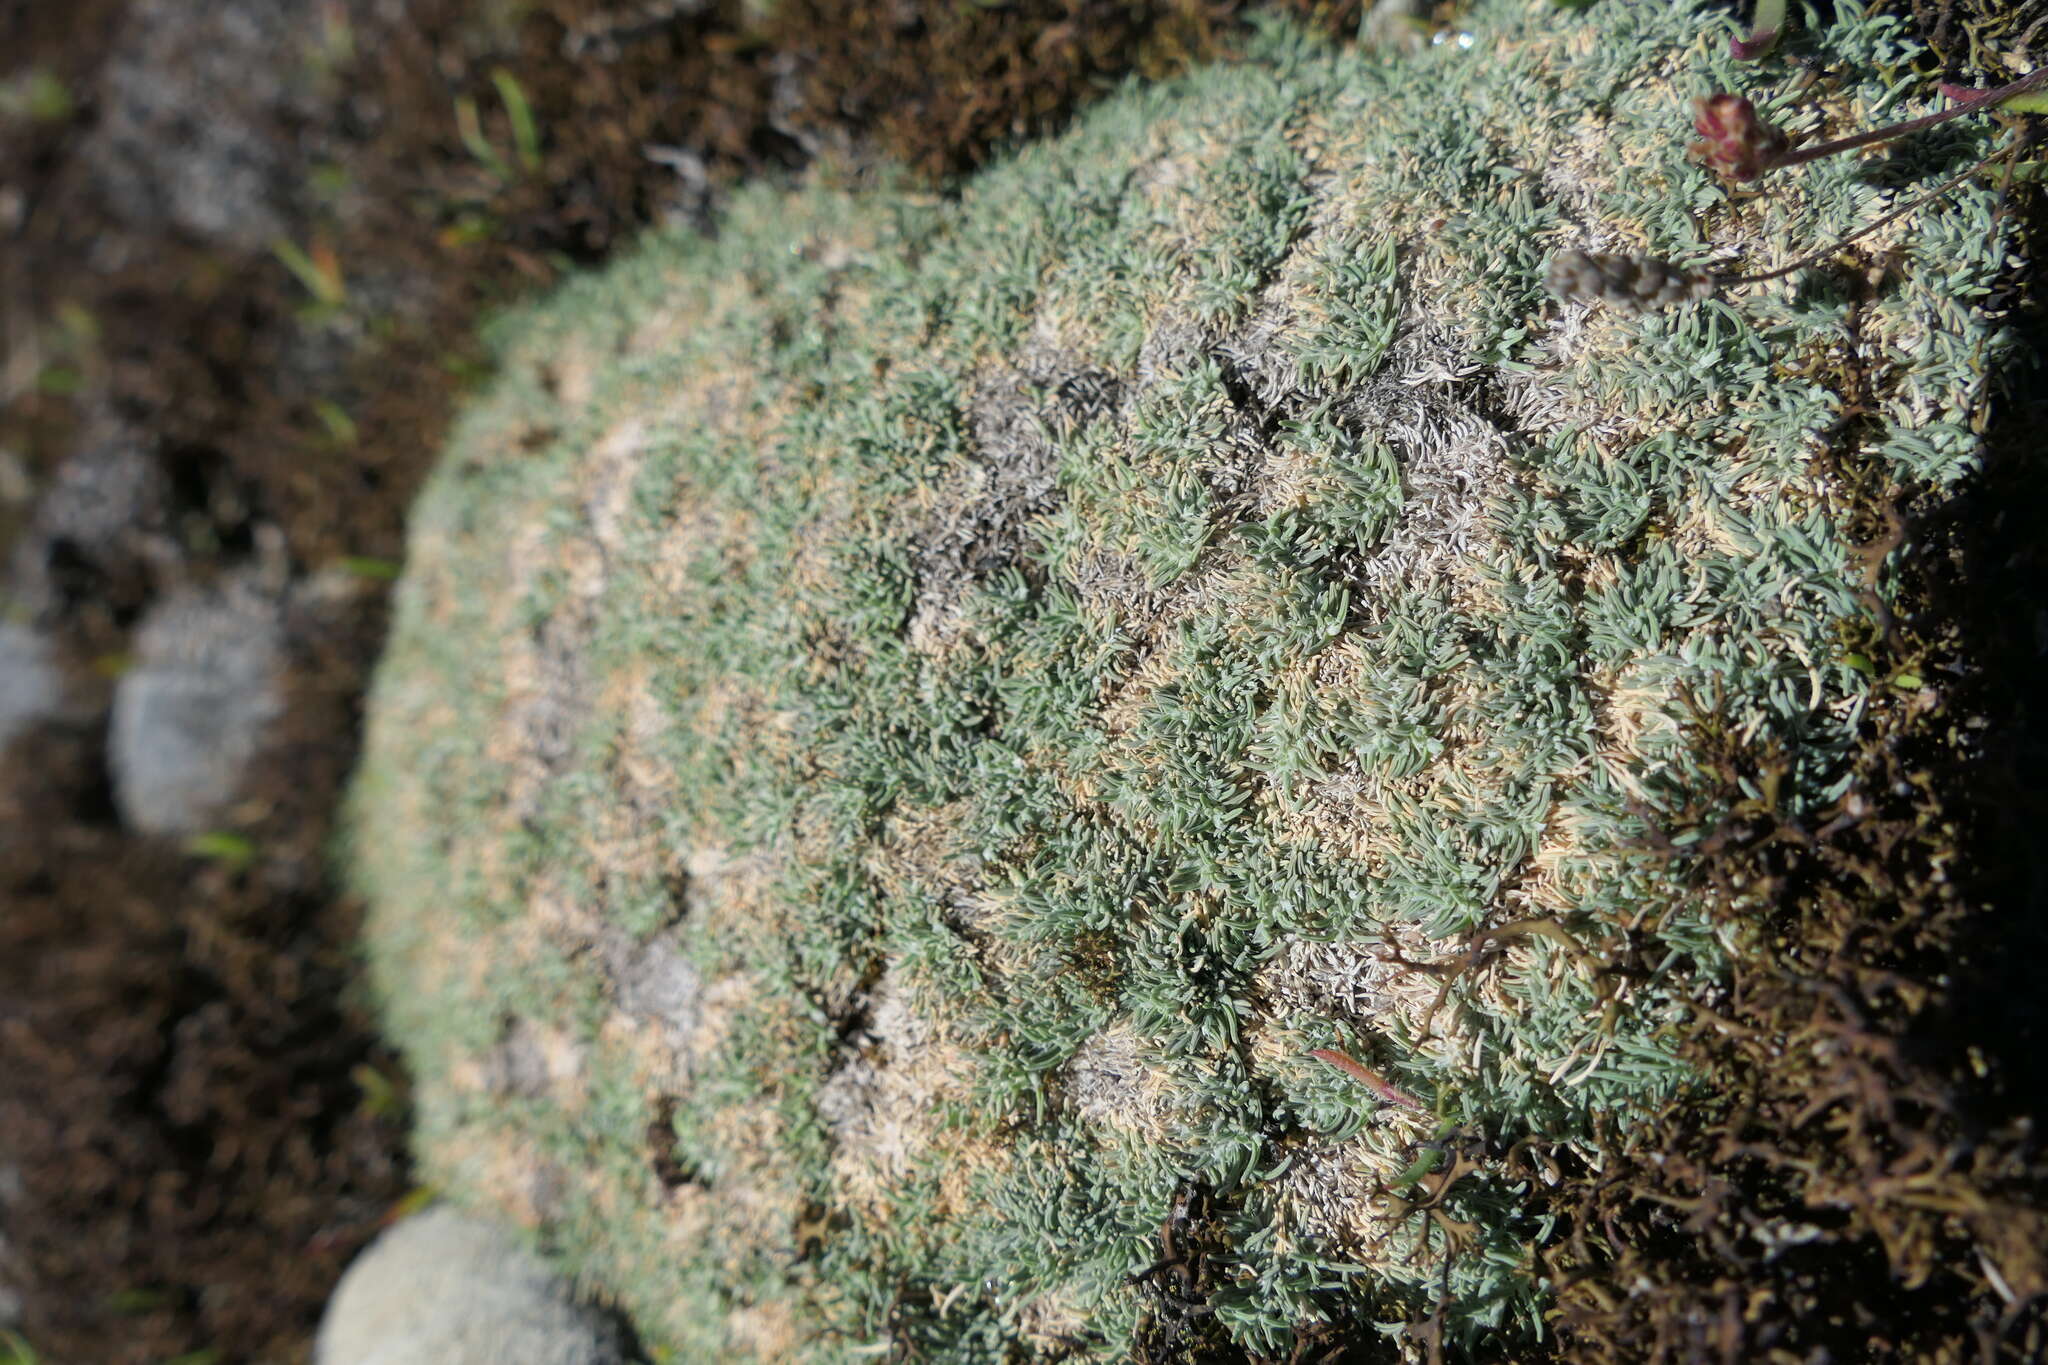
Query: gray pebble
x=31, y=687
x=189, y=116
x=193, y=711
x=105, y=515
x=443, y=1288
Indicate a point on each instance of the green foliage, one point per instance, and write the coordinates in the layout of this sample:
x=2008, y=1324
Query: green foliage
x=1009, y=785
x=233, y=851
x=36, y=94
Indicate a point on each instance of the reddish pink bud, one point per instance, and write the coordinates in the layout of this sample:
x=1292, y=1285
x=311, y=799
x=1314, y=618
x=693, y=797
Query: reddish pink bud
x=1734, y=142
x=1754, y=46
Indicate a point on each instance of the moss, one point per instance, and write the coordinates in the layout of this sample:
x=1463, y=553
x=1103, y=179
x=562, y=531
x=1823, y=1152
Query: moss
x=1048, y=660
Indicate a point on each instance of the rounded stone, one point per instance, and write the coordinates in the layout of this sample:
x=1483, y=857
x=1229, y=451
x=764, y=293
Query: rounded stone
x=191, y=715
x=31, y=687
x=443, y=1288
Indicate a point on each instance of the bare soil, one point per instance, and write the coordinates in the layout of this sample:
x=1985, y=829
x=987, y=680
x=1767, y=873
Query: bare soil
x=198, y=1126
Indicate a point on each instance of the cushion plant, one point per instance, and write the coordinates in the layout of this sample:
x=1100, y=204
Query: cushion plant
x=1035, y=772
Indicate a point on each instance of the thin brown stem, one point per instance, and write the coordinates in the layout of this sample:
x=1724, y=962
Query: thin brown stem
x=1816, y=257
x=2033, y=80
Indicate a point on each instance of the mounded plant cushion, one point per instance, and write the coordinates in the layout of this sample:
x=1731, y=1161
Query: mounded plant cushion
x=907, y=723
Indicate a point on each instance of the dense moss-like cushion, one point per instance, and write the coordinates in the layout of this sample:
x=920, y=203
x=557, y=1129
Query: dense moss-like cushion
x=909, y=721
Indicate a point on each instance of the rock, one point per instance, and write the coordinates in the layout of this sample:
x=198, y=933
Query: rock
x=102, y=529
x=191, y=712
x=192, y=105
x=31, y=685
x=444, y=1288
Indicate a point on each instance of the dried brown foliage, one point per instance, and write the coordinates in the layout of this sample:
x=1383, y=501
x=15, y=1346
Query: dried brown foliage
x=180, y=1099
x=1870, y=1183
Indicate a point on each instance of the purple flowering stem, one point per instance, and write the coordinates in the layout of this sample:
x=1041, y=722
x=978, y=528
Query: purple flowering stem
x=1978, y=100
x=1815, y=258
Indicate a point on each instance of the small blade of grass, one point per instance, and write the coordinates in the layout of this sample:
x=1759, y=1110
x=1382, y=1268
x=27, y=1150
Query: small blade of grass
x=328, y=181
x=230, y=850
x=130, y=1302
x=367, y=566
x=525, y=134
x=59, y=381
x=339, y=426
x=380, y=1096
x=80, y=328
x=319, y=271
x=37, y=95
x=414, y=1200
x=468, y=230
x=335, y=47
x=471, y=130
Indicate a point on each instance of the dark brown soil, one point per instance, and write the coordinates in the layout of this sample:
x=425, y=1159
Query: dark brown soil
x=197, y=1126
x=1873, y=1184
